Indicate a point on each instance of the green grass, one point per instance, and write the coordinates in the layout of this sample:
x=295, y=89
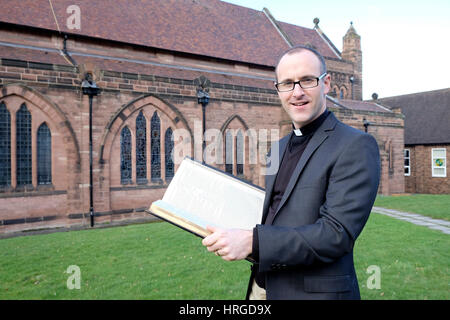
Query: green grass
x=146, y=261
x=432, y=205
x=160, y=261
x=414, y=260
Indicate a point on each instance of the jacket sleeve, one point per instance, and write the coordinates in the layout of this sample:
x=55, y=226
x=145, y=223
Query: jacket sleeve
x=351, y=191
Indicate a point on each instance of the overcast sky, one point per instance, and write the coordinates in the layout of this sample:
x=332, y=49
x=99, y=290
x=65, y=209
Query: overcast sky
x=405, y=44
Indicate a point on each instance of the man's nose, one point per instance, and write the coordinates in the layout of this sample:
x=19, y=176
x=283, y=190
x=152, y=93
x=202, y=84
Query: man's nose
x=298, y=91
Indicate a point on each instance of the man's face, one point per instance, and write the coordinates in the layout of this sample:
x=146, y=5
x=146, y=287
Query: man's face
x=302, y=105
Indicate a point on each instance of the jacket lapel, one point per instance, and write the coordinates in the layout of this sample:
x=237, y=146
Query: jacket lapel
x=317, y=139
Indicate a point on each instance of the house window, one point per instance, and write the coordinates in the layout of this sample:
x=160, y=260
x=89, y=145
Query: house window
x=125, y=156
x=44, y=155
x=23, y=146
x=168, y=146
x=407, y=162
x=5, y=146
x=141, y=149
x=155, y=147
x=438, y=162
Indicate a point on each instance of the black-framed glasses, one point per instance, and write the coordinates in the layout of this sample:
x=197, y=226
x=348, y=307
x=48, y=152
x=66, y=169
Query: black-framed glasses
x=306, y=83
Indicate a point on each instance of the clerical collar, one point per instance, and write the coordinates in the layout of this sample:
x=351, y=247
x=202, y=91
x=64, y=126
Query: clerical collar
x=312, y=126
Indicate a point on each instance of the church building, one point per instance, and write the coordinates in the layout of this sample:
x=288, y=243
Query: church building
x=95, y=95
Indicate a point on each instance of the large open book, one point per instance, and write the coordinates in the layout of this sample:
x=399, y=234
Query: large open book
x=199, y=195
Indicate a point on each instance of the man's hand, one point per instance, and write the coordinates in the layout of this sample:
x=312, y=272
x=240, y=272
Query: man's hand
x=230, y=244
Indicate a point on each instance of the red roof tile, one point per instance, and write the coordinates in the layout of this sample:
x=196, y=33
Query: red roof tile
x=205, y=27
x=300, y=35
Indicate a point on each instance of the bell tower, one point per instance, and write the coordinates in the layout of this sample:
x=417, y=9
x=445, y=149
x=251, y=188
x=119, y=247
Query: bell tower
x=351, y=51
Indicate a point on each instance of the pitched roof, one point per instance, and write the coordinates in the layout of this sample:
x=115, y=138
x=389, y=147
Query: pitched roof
x=427, y=115
x=356, y=105
x=203, y=27
x=299, y=35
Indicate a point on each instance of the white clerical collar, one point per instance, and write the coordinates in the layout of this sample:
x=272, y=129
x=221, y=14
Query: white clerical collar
x=298, y=132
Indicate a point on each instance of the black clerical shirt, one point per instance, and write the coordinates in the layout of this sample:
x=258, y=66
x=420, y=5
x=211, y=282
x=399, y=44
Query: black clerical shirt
x=294, y=150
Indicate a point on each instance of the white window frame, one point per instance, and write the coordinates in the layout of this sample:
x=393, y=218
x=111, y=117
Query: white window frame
x=409, y=161
x=433, y=174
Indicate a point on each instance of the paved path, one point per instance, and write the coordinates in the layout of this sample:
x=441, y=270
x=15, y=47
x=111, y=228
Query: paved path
x=436, y=224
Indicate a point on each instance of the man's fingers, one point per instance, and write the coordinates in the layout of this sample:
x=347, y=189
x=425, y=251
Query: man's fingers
x=215, y=241
x=212, y=238
x=209, y=240
x=230, y=244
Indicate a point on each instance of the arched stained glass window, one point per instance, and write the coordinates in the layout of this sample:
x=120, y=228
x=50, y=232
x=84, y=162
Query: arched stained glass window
x=5, y=146
x=125, y=156
x=155, y=147
x=141, y=149
x=239, y=153
x=44, y=155
x=168, y=146
x=229, y=152
x=23, y=146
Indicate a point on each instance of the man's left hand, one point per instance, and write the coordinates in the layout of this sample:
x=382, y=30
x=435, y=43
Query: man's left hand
x=230, y=244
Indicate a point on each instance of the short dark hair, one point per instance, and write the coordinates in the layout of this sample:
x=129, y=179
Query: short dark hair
x=300, y=48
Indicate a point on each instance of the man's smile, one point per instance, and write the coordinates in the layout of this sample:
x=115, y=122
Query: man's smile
x=299, y=104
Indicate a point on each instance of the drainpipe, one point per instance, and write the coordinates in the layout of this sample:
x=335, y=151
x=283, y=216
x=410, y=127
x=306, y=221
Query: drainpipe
x=90, y=88
x=66, y=53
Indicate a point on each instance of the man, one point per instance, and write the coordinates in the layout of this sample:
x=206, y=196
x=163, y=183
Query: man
x=317, y=203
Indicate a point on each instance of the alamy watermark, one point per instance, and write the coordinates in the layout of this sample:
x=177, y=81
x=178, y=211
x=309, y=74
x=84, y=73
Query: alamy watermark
x=233, y=146
x=73, y=22
x=74, y=280
x=374, y=280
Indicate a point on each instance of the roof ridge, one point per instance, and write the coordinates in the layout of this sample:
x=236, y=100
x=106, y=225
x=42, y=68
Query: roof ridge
x=417, y=93
x=328, y=41
x=335, y=101
x=277, y=26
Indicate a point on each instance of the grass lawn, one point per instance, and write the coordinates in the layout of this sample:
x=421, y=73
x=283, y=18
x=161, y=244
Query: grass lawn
x=160, y=261
x=145, y=261
x=414, y=261
x=432, y=205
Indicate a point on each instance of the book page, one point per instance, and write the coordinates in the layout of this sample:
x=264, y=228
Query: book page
x=178, y=215
x=214, y=197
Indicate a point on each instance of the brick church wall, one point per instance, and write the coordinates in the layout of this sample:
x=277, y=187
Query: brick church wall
x=52, y=91
x=69, y=201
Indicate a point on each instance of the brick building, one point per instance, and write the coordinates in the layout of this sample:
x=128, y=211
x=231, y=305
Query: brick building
x=149, y=58
x=427, y=139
